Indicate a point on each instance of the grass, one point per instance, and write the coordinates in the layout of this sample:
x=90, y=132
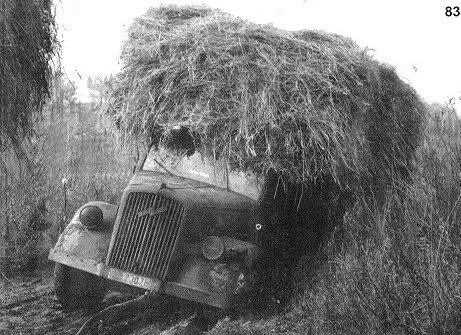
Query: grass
x=32, y=210
x=390, y=271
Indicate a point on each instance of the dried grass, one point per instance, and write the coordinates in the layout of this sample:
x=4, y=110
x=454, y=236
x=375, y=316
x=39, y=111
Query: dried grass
x=305, y=104
x=27, y=45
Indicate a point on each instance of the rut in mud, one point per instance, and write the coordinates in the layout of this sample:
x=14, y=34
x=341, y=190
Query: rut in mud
x=29, y=306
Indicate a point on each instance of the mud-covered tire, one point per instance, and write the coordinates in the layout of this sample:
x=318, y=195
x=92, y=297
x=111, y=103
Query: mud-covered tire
x=77, y=289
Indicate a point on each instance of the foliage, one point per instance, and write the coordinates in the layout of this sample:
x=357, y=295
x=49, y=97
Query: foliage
x=28, y=44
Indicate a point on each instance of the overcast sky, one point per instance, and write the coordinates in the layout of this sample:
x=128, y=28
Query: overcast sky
x=415, y=36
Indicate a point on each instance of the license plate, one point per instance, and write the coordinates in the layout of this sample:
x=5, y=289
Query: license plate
x=150, y=284
x=139, y=281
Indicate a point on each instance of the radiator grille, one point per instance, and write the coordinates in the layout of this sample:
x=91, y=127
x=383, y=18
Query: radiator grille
x=147, y=234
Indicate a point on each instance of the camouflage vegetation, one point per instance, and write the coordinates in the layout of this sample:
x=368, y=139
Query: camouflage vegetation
x=313, y=112
x=27, y=47
x=395, y=271
x=304, y=104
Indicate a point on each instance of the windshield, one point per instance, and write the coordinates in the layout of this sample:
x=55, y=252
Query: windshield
x=202, y=169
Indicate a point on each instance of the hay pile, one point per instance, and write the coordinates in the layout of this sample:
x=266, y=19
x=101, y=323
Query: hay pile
x=304, y=104
x=27, y=46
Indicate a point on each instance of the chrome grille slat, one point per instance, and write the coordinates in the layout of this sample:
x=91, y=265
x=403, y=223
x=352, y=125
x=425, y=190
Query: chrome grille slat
x=145, y=244
x=161, y=254
x=172, y=242
x=123, y=230
x=147, y=234
x=158, y=243
x=141, y=235
x=130, y=246
x=149, y=248
x=147, y=229
x=128, y=232
x=155, y=243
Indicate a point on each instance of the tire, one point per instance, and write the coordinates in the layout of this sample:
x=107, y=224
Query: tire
x=77, y=289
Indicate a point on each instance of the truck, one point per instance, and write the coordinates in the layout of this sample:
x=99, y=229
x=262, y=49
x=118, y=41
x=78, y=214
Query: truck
x=187, y=226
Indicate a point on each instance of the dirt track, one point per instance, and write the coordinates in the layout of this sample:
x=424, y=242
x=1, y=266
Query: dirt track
x=28, y=306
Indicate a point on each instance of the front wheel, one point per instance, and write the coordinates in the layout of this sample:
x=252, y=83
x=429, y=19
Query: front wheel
x=76, y=289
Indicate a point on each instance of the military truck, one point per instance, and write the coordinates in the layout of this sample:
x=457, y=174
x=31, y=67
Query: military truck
x=185, y=226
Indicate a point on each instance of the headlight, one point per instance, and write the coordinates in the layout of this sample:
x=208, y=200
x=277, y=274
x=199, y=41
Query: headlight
x=212, y=247
x=91, y=216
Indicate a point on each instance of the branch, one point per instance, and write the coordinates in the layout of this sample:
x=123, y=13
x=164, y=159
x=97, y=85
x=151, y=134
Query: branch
x=116, y=312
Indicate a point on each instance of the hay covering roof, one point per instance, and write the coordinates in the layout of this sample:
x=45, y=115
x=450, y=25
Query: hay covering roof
x=307, y=104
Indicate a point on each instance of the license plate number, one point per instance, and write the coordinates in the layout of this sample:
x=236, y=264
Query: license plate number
x=139, y=281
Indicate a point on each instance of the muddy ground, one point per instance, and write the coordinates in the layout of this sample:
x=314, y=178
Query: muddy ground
x=28, y=306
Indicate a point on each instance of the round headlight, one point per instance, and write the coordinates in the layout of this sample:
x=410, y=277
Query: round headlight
x=91, y=216
x=212, y=247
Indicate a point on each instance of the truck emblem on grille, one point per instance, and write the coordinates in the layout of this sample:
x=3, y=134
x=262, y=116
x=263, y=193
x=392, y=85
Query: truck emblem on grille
x=152, y=211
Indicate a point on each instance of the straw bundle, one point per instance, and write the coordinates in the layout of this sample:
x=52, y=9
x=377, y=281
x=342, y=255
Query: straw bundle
x=27, y=45
x=304, y=104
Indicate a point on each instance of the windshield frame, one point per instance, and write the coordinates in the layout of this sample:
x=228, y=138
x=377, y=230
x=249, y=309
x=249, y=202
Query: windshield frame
x=201, y=169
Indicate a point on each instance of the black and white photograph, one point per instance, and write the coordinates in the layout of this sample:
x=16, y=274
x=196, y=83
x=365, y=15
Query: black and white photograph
x=212, y=167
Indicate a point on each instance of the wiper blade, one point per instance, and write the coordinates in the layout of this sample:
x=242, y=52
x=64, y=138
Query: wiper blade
x=164, y=168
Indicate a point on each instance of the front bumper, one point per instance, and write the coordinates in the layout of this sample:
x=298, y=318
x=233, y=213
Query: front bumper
x=102, y=270
x=193, y=284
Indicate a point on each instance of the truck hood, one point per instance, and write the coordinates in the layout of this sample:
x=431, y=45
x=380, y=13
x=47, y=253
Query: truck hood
x=189, y=190
x=211, y=210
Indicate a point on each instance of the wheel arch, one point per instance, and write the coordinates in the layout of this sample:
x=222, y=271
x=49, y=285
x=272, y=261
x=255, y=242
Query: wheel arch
x=78, y=240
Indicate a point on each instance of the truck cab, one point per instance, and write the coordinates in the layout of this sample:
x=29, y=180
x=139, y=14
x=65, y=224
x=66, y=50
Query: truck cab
x=185, y=226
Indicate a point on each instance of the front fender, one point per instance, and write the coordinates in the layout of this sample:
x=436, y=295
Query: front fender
x=77, y=240
x=221, y=282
